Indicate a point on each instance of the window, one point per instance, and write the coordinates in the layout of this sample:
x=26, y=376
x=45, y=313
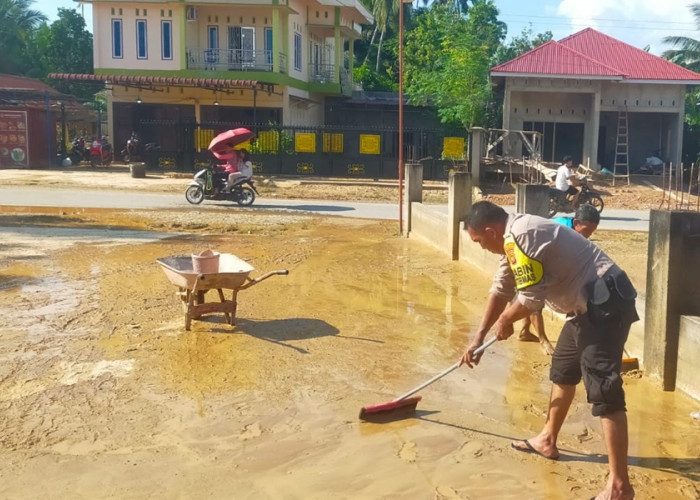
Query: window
x=268, y=46
x=166, y=39
x=212, y=53
x=241, y=44
x=297, y=51
x=117, y=43
x=213, y=37
x=141, y=39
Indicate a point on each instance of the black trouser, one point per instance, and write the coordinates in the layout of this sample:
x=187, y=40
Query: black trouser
x=594, y=352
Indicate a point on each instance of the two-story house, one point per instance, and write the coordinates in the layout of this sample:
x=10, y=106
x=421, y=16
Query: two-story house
x=247, y=61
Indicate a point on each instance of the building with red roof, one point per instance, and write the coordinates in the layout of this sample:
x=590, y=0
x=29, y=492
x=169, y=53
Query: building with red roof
x=589, y=94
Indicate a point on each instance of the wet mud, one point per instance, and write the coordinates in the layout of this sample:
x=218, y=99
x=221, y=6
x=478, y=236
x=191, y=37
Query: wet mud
x=103, y=394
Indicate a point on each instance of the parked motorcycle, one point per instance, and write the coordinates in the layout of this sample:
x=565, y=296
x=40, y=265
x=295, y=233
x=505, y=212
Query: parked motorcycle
x=100, y=152
x=133, y=151
x=78, y=151
x=558, y=202
x=210, y=182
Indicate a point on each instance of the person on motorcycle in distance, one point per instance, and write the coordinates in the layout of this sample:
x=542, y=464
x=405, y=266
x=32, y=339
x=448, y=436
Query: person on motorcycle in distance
x=243, y=168
x=567, y=181
x=230, y=167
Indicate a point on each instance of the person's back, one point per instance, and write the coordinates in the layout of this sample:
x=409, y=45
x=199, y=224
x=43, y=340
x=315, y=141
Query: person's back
x=245, y=166
x=564, y=221
x=562, y=180
x=554, y=248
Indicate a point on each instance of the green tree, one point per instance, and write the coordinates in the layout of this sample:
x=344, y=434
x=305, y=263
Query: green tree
x=66, y=47
x=448, y=59
x=688, y=52
x=520, y=44
x=460, y=7
x=385, y=13
x=371, y=80
x=17, y=21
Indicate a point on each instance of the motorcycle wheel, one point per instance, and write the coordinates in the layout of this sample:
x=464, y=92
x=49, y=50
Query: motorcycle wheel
x=74, y=157
x=596, y=201
x=246, y=197
x=194, y=194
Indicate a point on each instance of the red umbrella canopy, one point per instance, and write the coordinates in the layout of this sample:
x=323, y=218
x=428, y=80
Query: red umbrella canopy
x=226, y=141
x=226, y=155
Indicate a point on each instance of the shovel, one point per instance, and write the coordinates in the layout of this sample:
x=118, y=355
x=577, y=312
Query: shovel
x=404, y=406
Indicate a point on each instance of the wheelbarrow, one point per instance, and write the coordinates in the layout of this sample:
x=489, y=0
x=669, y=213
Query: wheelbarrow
x=232, y=275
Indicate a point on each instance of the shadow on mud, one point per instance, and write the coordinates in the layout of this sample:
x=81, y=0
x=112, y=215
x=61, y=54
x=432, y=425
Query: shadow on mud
x=281, y=331
x=688, y=468
x=8, y=282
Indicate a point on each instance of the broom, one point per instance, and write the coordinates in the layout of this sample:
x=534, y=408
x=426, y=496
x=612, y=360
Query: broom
x=403, y=406
x=628, y=363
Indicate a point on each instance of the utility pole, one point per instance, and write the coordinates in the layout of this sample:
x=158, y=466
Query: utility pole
x=63, y=130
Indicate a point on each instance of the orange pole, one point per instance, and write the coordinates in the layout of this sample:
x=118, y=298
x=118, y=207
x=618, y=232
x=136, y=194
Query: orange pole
x=400, y=116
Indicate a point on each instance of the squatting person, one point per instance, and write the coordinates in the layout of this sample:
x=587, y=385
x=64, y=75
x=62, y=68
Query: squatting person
x=585, y=221
x=542, y=261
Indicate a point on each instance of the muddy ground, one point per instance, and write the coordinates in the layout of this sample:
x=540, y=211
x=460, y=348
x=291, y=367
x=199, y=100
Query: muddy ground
x=103, y=394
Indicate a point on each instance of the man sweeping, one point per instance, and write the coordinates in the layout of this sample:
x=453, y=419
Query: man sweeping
x=542, y=261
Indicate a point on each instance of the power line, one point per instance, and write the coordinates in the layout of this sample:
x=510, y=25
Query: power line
x=617, y=26
x=692, y=25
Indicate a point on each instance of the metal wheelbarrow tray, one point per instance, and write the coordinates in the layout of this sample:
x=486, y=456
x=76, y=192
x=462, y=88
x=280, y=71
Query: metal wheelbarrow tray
x=232, y=275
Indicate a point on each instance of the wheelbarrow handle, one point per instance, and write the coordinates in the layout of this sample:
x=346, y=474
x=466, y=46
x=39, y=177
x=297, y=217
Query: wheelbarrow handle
x=264, y=277
x=452, y=368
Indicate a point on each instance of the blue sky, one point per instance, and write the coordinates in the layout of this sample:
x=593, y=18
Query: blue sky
x=637, y=22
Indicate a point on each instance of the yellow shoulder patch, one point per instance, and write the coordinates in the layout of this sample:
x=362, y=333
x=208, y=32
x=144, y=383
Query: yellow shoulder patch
x=527, y=271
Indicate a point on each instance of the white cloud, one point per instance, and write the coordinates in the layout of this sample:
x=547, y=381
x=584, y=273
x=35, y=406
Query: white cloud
x=637, y=22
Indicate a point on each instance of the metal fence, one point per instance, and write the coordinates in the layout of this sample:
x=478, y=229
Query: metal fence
x=328, y=151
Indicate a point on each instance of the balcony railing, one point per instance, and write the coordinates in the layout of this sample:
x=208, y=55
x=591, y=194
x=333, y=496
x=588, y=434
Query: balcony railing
x=233, y=60
x=322, y=73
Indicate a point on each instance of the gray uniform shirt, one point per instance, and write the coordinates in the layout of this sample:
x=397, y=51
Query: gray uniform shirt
x=551, y=264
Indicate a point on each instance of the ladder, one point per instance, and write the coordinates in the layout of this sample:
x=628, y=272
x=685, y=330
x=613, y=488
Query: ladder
x=621, y=150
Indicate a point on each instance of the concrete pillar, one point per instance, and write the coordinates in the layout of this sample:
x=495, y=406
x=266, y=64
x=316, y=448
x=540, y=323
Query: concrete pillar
x=532, y=199
x=459, y=202
x=673, y=288
x=413, y=174
x=594, y=120
x=477, y=136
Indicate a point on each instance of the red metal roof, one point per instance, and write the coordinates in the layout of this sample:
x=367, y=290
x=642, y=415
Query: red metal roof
x=12, y=82
x=635, y=63
x=592, y=53
x=553, y=58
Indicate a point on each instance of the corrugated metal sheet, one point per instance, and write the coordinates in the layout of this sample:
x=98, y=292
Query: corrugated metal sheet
x=553, y=58
x=13, y=82
x=594, y=54
x=635, y=63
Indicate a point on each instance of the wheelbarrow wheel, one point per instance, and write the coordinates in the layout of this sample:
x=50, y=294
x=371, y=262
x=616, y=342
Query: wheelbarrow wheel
x=246, y=197
x=194, y=194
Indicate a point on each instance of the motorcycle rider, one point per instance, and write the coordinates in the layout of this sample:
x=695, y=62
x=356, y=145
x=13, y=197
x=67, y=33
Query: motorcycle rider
x=567, y=181
x=243, y=168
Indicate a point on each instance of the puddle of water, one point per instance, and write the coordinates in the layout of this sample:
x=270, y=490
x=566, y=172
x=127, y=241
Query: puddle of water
x=271, y=404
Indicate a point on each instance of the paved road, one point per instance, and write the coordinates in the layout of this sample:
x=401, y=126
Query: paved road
x=631, y=220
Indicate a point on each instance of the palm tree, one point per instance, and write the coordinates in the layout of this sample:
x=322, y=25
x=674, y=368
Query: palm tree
x=460, y=6
x=384, y=12
x=688, y=52
x=16, y=22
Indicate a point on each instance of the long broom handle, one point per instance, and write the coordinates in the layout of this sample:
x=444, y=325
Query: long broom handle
x=445, y=372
